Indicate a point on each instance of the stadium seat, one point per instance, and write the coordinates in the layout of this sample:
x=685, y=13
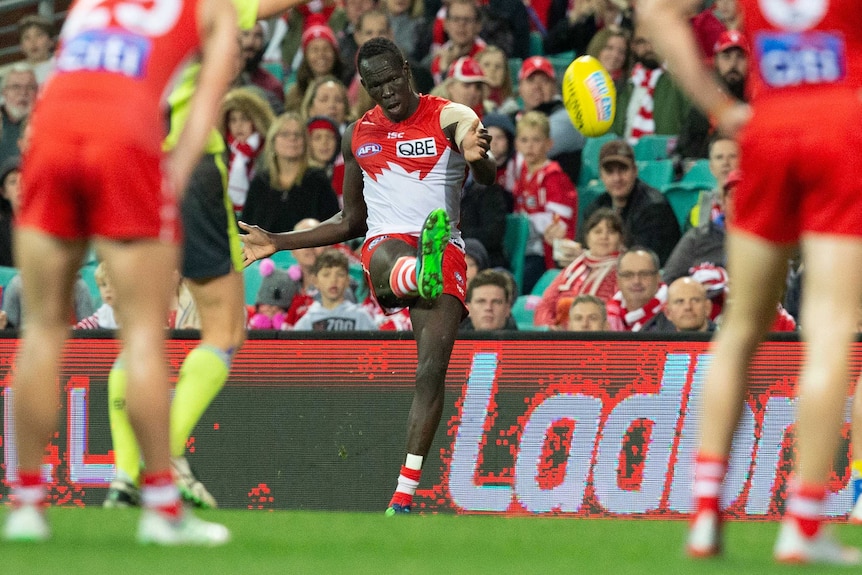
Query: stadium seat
x=537, y=47
x=699, y=175
x=6, y=275
x=357, y=275
x=545, y=281
x=586, y=196
x=515, y=244
x=590, y=159
x=523, y=311
x=561, y=62
x=514, y=68
x=252, y=279
x=658, y=173
x=654, y=147
x=283, y=259
x=681, y=198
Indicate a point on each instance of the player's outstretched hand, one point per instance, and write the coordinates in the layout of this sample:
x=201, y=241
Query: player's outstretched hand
x=256, y=243
x=476, y=143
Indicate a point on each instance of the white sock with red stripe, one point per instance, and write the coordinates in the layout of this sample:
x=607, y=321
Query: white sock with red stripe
x=805, y=506
x=408, y=481
x=160, y=493
x=402, y=278
x=29, y=490
x=709, y=472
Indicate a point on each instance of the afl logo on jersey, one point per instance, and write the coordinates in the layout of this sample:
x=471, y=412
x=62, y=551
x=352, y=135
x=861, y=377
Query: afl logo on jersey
x=794, y=15
x=366, y=150
x=421, y=148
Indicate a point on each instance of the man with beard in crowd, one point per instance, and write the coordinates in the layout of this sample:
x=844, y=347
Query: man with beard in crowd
x=18, y=89
x=731, y=69
x=650, y=102
x=252, y=43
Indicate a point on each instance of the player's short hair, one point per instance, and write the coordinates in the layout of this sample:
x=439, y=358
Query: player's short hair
x=380, y=47
x=35, y=21
x=534, y=121
x=491, y=277
x=330, y=258
x=587, y=298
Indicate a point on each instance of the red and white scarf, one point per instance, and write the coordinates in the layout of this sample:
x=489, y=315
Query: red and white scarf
x=634, y=320
x=641, y=121
x=580, y=277
x=241, y=167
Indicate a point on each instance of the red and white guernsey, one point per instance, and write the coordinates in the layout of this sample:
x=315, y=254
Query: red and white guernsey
x=115, y=64
x=410, y=168
x=800, y=45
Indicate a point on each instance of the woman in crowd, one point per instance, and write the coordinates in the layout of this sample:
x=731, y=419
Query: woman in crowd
x=320, y=58
x=287, y=190
x=592, y=273
x=611, y=48
x=326, y=96
x=495, y=67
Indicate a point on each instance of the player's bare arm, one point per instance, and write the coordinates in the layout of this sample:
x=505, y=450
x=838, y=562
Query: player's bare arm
x=463, y=128
x=347, y=224
x=666, y=22
x=217, y=24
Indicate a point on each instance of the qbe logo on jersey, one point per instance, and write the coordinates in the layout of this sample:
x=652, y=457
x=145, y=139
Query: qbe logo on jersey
x=421, y=148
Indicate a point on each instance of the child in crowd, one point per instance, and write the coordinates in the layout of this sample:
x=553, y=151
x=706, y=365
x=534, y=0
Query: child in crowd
x=104, y=316
x=274, y=298
x=324, y=150
x=245, y=119
x=333, y=312
x=542, y=191
x=36, y=35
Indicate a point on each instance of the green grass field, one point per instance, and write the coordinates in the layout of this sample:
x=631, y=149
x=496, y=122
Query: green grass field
x=97, y=541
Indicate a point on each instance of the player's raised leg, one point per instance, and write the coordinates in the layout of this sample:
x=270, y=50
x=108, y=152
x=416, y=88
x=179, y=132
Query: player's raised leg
x=833, y=279
x=48, y=269
x=758, y=268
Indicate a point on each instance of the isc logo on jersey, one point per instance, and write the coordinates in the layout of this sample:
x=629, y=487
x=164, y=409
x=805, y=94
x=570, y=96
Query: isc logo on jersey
x=421, y=148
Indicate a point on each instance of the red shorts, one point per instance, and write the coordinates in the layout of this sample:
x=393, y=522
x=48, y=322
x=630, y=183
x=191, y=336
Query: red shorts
x=454, y=266
x=802, y=168
x=76, y=187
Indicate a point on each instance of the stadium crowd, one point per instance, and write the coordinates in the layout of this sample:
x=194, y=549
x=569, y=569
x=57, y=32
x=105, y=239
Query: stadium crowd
x=656, y=187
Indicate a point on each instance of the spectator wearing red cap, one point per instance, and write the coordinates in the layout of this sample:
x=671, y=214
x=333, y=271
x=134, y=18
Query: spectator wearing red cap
x=537, y=86
x=466, y=84
x=320, y=58
x=730, y=62
x=712, y=22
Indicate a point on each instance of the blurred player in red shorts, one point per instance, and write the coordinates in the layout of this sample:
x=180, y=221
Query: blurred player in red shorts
x=802, y=161
x=95, y=170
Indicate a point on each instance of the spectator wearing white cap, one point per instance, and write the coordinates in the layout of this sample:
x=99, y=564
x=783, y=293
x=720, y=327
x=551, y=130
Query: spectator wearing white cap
x=466, y=84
